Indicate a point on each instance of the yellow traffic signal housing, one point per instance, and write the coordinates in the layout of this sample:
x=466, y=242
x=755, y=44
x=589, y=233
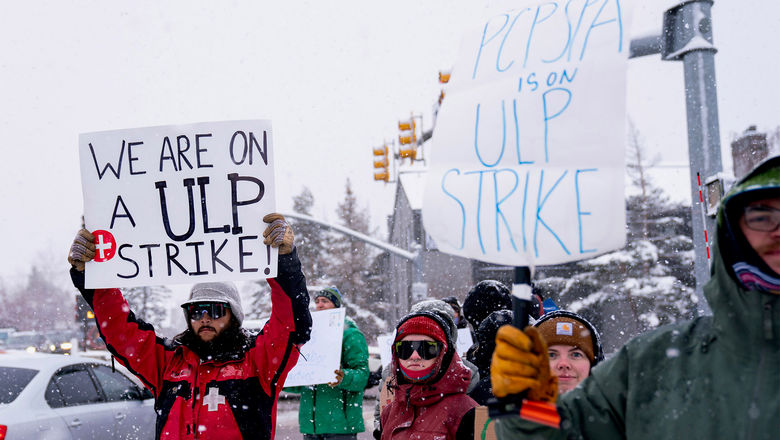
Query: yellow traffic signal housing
x=408, y=139
x=411, y=153
x=444, y=77
x=381, y=163
x=408, y=125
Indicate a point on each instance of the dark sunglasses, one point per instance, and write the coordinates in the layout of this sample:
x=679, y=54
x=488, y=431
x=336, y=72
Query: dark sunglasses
x=762, y=218
x=216, y=310
x=425, y=349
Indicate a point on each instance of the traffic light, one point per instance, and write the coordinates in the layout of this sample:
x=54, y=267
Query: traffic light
x=410, y=152
x=408, y=133
x=444, y=78
x=381, y=162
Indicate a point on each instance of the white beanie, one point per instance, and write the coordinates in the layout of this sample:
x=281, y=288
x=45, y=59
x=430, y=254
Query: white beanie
x=218, y=292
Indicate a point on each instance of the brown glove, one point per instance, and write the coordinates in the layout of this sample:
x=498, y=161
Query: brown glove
x=82, y=249
x=521, y=363
x=279, y=233
x=339, y=378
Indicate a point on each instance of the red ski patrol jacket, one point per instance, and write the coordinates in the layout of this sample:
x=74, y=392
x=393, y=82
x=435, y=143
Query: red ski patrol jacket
x=233, y=395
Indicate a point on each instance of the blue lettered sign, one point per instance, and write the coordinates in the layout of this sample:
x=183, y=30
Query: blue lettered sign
x=527, y=164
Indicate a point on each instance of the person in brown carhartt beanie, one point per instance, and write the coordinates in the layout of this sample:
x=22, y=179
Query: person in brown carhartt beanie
x=567, y=330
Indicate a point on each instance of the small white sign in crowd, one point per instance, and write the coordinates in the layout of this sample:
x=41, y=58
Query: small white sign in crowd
x=321, y=356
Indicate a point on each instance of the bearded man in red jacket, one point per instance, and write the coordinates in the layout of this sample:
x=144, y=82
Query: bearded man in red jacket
x=214, y=380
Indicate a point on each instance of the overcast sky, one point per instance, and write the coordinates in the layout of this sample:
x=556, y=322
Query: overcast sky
x=334, y=77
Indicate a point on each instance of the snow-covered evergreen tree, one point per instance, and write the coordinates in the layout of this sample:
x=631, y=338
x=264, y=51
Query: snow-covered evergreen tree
x=149, y=303
x=259, y=295
x=649, y=282
x=39, y=304
x=350, y=262
x=311, y=240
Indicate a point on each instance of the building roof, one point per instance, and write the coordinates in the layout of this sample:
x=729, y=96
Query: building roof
x=413, y=184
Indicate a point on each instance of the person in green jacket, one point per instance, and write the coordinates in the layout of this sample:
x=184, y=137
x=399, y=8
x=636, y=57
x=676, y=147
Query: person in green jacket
x=334, y=411
x=715, y=377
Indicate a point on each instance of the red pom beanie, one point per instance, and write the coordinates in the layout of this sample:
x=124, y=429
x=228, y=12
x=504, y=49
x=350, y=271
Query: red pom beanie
x=422, y=325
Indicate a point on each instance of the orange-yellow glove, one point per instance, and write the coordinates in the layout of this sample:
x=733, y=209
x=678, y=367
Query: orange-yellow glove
x=82, y=249
x=521, y=363
x=279, y=233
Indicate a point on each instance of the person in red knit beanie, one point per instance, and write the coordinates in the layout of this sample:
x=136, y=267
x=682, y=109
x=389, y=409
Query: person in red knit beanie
x=429, y=384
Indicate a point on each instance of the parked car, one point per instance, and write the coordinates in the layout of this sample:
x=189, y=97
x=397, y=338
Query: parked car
x=28, y=341
x=49, y=396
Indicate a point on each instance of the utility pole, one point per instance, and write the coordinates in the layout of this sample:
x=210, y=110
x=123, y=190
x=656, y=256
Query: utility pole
x=687, y=36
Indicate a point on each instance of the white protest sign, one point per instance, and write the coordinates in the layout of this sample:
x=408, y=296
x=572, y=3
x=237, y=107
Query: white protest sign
x=321, y=356
x=464, y=341
x=385, y=345
x=179, y=203
x=527, y=164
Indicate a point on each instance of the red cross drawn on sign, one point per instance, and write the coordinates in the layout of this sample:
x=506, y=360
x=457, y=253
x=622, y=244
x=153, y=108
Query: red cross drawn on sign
x=105, y=245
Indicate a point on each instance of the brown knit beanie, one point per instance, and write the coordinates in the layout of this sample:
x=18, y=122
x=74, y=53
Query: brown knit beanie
x=564, y=330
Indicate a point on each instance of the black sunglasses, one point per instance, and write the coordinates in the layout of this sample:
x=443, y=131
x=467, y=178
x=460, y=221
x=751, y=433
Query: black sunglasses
x=216, y=310
x=762, y=218
x=425, y=349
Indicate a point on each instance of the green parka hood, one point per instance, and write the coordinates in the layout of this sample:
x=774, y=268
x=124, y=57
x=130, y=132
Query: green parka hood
x=740, y=259
x=745, y=311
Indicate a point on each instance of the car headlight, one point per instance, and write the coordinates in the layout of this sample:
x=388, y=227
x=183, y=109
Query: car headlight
x=66, y=346
x=30, y=349
x=52, y=347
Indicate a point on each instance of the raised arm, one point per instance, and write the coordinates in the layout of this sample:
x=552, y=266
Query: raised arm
x=276, y=349
x=132, y=341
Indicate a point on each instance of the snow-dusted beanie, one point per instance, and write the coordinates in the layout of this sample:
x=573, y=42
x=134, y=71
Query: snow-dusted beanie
x=332, y=293
x=565, y=330
x=217, y=292
x=440, y=309
x=485, y=298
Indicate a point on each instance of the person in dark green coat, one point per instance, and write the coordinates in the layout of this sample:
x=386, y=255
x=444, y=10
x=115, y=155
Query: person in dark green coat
x=715, y=377
x=334, y=410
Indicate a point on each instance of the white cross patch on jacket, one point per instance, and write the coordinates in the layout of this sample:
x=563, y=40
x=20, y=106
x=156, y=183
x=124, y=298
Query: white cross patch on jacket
x=213, y=399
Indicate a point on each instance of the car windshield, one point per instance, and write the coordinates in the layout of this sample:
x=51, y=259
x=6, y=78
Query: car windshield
x=13, y=381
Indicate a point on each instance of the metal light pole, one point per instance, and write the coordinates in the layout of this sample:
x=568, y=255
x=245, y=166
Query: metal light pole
x=687, y=37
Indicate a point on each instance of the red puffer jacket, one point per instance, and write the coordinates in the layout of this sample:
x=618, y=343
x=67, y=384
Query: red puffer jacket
x=437, y=411
x=230, y=396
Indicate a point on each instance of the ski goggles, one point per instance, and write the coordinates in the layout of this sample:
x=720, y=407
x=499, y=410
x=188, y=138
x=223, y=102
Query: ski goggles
x=762, y=218
x=215, y=310
x=425, y=349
